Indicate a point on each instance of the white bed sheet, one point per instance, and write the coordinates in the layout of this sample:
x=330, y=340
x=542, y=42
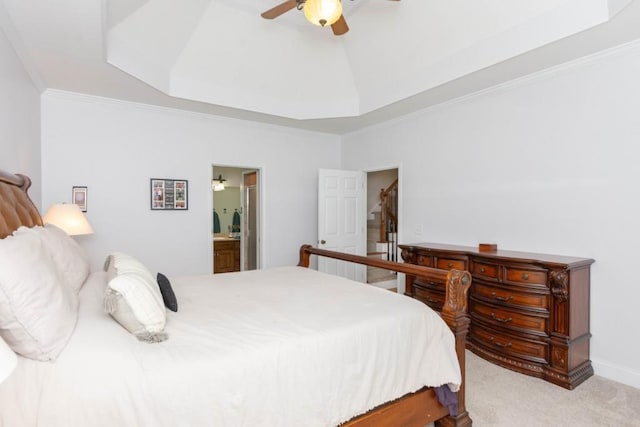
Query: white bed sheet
x=280, y=347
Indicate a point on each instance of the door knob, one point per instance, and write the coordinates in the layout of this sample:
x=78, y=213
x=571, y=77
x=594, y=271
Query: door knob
x=322, y=242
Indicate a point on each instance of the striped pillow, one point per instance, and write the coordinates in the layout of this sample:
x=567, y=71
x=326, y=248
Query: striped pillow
x=133, y=298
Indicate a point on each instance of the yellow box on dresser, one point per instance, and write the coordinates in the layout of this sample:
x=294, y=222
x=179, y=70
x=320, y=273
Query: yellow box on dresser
x=529, y=312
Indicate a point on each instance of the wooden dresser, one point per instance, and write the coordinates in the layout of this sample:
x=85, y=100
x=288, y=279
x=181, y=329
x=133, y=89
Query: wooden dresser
x=529, y=312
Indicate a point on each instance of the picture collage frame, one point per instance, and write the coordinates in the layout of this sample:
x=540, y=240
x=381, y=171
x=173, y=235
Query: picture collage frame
x=169, y=194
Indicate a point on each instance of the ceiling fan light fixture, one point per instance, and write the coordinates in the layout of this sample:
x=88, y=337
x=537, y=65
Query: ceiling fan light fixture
x=322, y=12
x=218, y=186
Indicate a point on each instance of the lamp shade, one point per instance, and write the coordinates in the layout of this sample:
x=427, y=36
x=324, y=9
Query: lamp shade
x=8, y=360
x=322, y=12
x=69, y=218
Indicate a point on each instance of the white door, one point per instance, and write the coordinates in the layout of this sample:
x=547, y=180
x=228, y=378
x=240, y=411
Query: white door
x=341, y=199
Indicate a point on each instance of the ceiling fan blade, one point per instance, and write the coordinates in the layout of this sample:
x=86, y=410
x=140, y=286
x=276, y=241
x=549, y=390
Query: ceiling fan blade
x=279, y=9
x=340, y=26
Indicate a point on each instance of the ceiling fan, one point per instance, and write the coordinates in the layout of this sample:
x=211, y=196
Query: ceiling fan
x=318, y=12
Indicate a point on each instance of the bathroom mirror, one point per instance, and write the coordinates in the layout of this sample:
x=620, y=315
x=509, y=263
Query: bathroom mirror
x=225, y=204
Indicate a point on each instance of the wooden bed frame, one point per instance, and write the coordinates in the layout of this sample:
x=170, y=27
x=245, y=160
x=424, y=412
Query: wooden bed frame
x=412, y=410
x=16, y=208
x=422, y=407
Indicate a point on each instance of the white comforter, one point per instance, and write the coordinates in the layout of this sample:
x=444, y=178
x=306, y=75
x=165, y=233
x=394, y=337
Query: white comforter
x=280, y=347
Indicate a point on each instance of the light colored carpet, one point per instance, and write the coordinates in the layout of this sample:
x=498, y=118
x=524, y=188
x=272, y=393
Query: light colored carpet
x=498, y=397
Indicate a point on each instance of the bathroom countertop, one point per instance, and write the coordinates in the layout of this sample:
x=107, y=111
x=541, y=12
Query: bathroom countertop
x=223, y=238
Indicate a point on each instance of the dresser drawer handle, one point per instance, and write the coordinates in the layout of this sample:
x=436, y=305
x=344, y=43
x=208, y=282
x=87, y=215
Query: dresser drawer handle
x=499, y=298
x=450, y=265
x=482, y=270
x=501, y=319
x=499, y=344
x=525, y=276
x=431, y=300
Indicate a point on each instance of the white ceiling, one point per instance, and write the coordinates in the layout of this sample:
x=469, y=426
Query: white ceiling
x=221, y=57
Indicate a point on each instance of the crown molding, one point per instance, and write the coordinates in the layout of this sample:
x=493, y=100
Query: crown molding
x=177, y=112
x=537, y=76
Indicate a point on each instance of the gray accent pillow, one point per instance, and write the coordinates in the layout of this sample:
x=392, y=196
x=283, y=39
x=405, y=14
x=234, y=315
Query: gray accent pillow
x=168, y=296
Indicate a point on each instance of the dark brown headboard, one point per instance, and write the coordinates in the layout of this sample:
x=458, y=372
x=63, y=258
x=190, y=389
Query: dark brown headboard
x=16, y=208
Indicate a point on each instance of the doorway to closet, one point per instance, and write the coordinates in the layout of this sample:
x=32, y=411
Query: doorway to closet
x=235, y=227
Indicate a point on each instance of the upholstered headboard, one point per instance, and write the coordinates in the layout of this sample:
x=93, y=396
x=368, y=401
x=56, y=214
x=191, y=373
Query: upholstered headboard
x=16, y=208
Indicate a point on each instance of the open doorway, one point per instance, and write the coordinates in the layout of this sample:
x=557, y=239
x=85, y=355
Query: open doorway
x=235, y=218
x=382, y=224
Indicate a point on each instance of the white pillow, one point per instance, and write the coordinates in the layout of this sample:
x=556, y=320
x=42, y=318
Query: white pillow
x=68, y=256
x=119, y=262
x=133, y=298
x=37, y=312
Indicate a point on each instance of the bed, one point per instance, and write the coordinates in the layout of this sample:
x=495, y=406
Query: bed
x=286, y=346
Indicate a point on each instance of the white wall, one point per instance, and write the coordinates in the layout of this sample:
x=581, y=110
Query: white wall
x=547, y=164
x=115, y=147
x=19, y=119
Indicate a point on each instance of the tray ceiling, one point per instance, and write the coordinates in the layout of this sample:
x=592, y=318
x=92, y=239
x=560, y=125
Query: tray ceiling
x=221, y=57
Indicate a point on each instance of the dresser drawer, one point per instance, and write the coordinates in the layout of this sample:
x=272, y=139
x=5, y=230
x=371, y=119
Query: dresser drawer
x=526, y=276
x=424, y=260
x=533, y=350
x=425, y=283
x=450, y=263
x=519, y=321
x=486, y=270
x=509, y=297
x=433, y=299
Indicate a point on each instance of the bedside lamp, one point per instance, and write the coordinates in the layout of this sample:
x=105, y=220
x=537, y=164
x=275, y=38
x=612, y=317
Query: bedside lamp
x=8, y=360
x=69, y=218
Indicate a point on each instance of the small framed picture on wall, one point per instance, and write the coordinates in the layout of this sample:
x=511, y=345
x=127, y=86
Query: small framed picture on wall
x=79, y=197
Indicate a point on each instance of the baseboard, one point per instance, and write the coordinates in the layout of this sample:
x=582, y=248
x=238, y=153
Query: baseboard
x=616, y=373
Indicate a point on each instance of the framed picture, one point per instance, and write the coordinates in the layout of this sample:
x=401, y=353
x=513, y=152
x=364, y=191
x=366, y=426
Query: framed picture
x=169, y=194
x=79, y=197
